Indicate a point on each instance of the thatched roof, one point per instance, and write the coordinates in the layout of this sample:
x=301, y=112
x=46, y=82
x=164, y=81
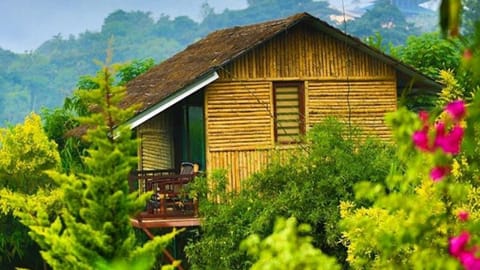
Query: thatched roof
x=218, y=49
x=223, y=46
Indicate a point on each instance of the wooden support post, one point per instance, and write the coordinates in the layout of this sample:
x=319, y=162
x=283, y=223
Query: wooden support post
x=195, y=207
x=163, y=201
x=165, y=251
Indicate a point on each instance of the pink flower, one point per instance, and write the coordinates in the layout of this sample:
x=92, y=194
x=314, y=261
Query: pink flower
x=440, y=128
x=420, y=139
x=457, y=244
x=468, y=259
x=423, y=115
x=462, y=215
x=439, y=172
x=450, y=142
x=456, y=109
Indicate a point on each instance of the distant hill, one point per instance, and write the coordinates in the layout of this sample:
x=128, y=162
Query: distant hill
x=44, y=77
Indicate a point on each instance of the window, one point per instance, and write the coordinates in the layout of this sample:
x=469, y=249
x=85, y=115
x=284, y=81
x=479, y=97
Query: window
x=289, y=109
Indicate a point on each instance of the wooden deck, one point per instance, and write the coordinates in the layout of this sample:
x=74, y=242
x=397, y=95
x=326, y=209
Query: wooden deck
x=170, y=204
x=164, y=222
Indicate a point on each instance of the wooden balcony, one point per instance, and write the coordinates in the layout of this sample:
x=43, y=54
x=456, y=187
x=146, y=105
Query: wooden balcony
x=169, y=205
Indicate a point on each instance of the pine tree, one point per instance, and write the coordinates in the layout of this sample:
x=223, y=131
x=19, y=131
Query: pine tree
x=92, y=230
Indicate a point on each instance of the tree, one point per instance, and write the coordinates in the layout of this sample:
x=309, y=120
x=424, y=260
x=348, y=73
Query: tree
x=26, y=152
x=133, y=69
x=386, y=19
x=430, y=53
x=58, y=121
x=287, y=248
x=471, y=13
x=121, y=23
x=92, y=227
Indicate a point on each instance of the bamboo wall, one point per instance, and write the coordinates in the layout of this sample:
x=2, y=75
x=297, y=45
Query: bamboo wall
x=156, y=146
x=365, y=101
x=238, y=115
x=240, y=164
x=304, y=53
x=239, y=105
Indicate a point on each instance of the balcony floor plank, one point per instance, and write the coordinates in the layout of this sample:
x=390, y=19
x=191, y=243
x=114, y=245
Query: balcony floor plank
x=162, y=222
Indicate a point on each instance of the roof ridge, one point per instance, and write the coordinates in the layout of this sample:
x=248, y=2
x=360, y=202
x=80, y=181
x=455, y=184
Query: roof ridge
x=292, y=18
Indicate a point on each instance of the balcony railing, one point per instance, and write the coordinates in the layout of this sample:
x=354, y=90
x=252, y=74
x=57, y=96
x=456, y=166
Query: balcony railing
x=169, y=198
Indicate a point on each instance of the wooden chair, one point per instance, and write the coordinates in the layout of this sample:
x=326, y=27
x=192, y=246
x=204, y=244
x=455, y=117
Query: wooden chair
x=186, y=168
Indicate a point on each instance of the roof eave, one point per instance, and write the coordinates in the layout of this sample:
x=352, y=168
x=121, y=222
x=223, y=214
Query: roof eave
x=173, y=99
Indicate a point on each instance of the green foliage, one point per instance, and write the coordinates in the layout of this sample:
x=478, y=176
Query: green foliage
x=308, y=185
x=93, y=225
x=287, y=248
x=133, y=69
x=452, y=90
x=18, y=248
x=430, y=54
x=58, y=122
x=450, y=16
x=26, y=152
x=376, y=41
x=394, y=232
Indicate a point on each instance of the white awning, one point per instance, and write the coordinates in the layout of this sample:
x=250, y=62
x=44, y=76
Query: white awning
x=171, y=100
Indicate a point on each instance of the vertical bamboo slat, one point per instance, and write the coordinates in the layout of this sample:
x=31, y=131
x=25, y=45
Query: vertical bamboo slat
x=305, y=53
x=156, y=143
x=240, y=164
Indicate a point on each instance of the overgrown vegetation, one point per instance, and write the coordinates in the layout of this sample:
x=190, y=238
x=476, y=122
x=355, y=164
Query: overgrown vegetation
x=308, y=184
x=25, y=152
x=59, y=121
x=85, y=222
x=355, y=201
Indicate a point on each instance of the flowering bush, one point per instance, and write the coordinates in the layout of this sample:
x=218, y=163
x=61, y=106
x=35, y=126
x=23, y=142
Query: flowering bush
x=444, y=136
x=426, y=216
x=412, y=222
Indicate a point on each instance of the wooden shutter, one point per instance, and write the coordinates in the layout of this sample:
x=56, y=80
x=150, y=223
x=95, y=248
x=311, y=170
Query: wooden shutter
x=289, y=110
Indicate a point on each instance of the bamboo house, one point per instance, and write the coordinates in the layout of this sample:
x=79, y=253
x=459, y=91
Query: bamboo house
x=230, y=99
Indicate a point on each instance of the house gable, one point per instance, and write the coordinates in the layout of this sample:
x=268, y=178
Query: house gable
x=304, y=52
x=239, y=104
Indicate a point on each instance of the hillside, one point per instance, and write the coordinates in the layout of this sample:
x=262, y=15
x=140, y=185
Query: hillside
x=45, y=76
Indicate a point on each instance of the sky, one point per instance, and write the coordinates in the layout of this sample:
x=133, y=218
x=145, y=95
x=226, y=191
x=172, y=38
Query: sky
x=26, y=24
